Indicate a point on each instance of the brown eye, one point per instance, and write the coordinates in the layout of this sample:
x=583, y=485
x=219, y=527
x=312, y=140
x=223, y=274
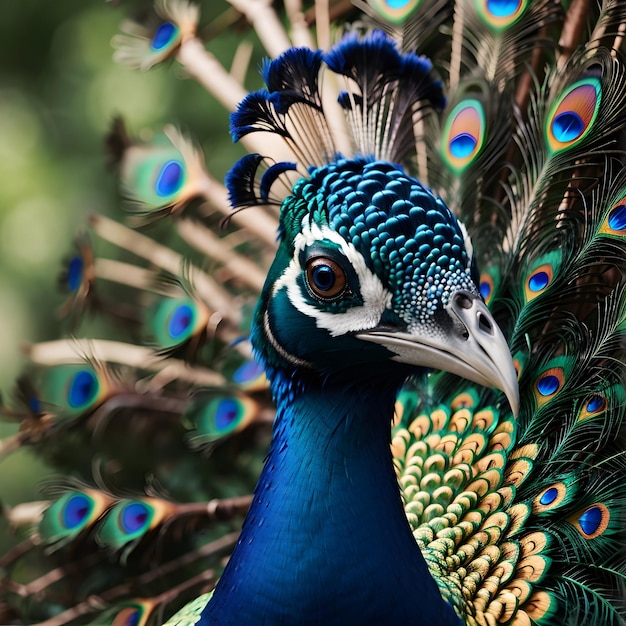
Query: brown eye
x=325, y=278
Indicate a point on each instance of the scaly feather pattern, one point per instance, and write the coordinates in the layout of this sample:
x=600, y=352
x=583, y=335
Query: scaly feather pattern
x=409, y=297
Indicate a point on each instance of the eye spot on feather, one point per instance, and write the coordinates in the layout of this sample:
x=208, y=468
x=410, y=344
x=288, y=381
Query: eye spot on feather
x=617, y=218
x=463, y=135
x=213, y=418
x=549, y=498
x=181, y=319
x=394, y=10
x=567, y=126
x=164, y=173
x=76, y=511
x=172, y=321
x=73, y=511
x=615, y=221
x=228, y=413
x=485, y=287
x=462, y=145
x=592, y=521
x=74, y=388
x=573, y=113
x=83, y=389
x=500, y=14
x=75, y=273
x=169, y=179
x=548, y=384
x=165, y=35
x=595, y=405
x=251, y=376
x=78, y=276
x=34, y=405
x=538, y=281
x=143, y=47
x=129, y=616
x=134, y=517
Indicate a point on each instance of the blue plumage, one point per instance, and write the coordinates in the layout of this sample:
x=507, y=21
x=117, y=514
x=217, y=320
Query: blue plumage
x=352, y=559
x=292, y=78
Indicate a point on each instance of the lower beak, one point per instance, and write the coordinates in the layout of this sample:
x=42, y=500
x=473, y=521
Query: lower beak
x=473, y=348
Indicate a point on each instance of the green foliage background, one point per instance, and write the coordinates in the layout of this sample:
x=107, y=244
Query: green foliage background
x=59, y=90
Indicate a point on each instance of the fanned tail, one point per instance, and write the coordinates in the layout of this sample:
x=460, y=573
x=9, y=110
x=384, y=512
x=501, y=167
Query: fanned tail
x=551, y=552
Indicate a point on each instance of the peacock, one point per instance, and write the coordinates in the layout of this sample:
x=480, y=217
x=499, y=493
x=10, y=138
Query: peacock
x=402, y=316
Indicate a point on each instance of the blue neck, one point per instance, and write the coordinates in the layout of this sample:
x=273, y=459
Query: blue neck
x=326, y=540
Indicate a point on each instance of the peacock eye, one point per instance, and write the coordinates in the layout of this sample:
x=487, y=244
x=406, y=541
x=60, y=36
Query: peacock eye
x=325, y=278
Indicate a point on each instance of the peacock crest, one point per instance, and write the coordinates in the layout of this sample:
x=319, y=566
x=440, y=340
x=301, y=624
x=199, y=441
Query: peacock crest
x=401, y=316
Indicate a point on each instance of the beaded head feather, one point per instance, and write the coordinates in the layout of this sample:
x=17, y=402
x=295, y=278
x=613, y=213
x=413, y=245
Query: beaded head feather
x=367, y=253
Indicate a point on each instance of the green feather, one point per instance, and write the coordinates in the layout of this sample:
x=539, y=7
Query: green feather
x=212, y=417
x=173, y=321
x=129, y=520
x=133, y=613
x=71, y=514
x=73, y=390
x=154, y=174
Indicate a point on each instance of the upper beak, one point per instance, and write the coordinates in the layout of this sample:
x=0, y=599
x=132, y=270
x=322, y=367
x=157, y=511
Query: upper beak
x=473, y=348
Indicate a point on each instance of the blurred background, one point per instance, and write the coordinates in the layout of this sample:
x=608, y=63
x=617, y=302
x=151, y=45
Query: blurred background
x=59, y=91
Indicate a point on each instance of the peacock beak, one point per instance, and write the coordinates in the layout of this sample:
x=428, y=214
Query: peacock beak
x=472, y=347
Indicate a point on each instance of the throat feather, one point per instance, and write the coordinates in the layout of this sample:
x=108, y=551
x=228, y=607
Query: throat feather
x=326, y=539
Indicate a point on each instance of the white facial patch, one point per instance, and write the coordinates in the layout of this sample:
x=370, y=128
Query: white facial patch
x=375, y=297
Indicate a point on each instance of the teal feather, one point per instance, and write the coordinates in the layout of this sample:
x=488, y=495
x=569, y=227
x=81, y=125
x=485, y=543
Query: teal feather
x=74, y=390
x=71, y=514
x=132, y=613
x=366, y=159
x=162, y=175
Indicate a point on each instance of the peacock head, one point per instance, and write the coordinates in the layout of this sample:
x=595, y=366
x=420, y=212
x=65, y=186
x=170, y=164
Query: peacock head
x=374, y=270
x=374, y=279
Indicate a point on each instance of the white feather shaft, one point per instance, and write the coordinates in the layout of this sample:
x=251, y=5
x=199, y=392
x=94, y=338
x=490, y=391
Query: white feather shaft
x=68, y=351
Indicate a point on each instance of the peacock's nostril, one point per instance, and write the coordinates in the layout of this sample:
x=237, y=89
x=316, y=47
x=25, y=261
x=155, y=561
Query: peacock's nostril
x=484, y=323
x=463, y=300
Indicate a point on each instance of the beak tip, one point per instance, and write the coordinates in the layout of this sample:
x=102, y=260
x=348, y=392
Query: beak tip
x=512, y=395
x=491, y=352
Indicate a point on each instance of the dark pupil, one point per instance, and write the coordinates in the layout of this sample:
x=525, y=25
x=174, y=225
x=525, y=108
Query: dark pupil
x=324, y=277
